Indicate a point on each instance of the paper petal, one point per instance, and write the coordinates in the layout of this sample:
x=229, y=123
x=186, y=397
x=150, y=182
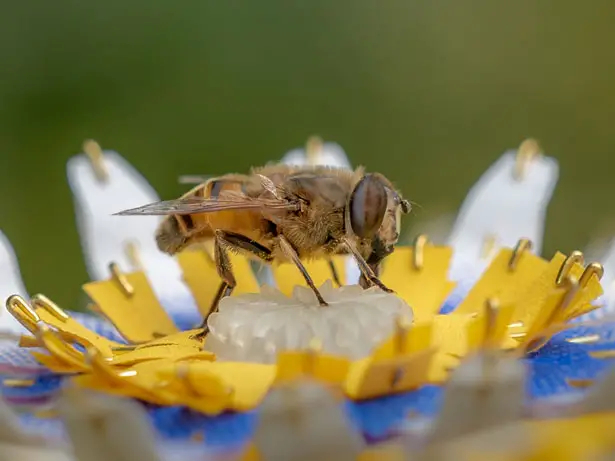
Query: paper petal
x=503, y=208
x=10, y=284
x=105, y=238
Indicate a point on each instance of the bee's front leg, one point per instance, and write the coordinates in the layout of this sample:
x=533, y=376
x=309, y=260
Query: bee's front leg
x=369, y=273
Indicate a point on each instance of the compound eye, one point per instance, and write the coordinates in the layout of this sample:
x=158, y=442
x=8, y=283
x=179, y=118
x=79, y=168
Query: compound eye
x=367, y=206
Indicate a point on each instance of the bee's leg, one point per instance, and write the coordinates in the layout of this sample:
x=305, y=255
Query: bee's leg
x=290, y=252
x=334, y=273
x=366, y=283
x=367, y=273
x=223, y=266
x=242, y=242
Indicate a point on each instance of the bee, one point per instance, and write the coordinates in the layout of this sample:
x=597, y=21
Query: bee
x=284, y=213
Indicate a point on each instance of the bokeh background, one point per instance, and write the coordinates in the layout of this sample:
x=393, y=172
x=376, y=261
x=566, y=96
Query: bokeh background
x=427, y=92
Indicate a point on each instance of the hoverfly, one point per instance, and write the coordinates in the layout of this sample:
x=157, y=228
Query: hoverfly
x=283, y=213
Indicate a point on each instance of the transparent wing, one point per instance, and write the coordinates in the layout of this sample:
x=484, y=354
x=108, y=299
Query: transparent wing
x=191, y=205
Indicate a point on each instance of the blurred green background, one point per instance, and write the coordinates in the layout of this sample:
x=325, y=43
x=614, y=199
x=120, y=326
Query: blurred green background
x=427, y=92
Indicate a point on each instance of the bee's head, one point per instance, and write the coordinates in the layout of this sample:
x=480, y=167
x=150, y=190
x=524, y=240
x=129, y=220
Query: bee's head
x=374, y=215
x=370, y=201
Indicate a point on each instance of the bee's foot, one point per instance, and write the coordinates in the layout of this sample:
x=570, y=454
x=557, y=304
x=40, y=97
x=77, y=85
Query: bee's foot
x=381, y=285
x=200, y=336
x=321, y=300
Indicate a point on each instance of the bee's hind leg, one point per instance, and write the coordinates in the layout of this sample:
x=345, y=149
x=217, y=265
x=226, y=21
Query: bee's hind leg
x=225, y=272
x=334, y=274
x=223, y=266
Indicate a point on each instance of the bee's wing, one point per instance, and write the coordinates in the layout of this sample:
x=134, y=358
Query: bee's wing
x=192, y=205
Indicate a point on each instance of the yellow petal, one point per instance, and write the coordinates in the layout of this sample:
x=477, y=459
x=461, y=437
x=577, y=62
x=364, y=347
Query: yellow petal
x=248, y=384
x=383, y=452
x=295, y=365
x=530, y=301
x=371, y=378
x=53, y=363
x=499, y=281
x=424, y=289
x=139, y=381
x=138, y=317
x=68, y=327
x=171, y=352
x=64, y=352
x=251, y=453
x=178, y=346
x=450, y=333
x=499, y=333
x=416, y=338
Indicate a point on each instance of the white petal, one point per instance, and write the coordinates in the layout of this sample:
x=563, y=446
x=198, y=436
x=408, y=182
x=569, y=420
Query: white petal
x=11, y=283
x=331, y=154
x=105, y=238
x=607, y=300
x=504, y=208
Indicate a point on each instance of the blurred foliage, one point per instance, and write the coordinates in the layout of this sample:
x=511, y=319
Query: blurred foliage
x=427, y=92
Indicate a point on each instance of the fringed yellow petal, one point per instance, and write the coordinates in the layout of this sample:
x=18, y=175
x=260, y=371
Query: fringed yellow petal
x=603, y=354
x=450, y=333
x=455, y=336
x=53, y=363
x=28, y=341
x=140, y=381
x=68, y=327
x=441, y=366
x=171, y=352
x=417, y=338
x=481, y=334
x=188, y=339
x=582, y=437
x=212, y=387
x=64, y=352
x=383, y=452
x=424, y=288
x=581, y=304
x=530, y=301
x=549, y=319
x=503, y=282
x=198, y=388
x=558, y=306
x=287, y=275
x=203, y=281
x=251, y=453
x=250, y=382
x=17, y=382
x=294, y=365
x=371, y=378
x=179, y=346
x=133, y=309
